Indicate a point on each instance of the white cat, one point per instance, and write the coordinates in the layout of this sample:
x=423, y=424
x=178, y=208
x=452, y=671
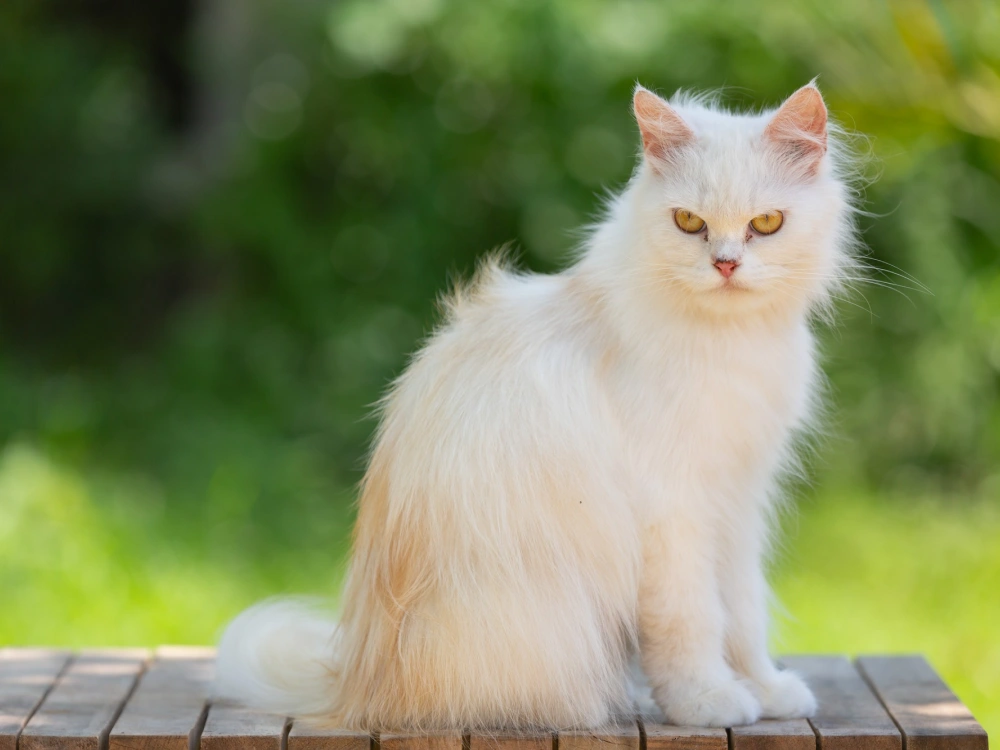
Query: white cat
x=575, y=467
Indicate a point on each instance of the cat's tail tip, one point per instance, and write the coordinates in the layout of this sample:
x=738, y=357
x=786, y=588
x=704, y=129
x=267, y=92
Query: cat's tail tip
x=279, y=656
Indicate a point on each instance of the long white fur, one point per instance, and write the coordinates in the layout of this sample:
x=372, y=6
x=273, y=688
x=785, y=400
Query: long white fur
x=580, y=466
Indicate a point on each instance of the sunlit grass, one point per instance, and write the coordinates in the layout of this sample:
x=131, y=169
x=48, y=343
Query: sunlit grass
x=81, y=573
x=859, y=574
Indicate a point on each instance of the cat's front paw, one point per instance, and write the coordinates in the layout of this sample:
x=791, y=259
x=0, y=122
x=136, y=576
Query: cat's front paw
x=724, y=704
x=785, y=696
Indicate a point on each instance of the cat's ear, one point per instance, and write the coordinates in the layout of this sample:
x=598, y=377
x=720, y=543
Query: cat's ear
x=663, y=131
x=798, y=129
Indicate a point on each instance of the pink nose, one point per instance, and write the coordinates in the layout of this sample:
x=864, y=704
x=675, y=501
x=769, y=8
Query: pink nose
x=726, y=267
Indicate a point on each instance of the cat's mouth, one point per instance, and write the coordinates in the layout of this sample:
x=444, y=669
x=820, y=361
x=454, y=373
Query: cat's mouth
x=732, y=285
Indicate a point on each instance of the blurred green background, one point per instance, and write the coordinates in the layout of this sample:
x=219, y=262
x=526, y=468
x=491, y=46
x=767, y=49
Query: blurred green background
x=224, y=223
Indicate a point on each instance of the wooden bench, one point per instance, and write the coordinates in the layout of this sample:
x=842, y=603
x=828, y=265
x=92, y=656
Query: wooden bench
x=129, y=699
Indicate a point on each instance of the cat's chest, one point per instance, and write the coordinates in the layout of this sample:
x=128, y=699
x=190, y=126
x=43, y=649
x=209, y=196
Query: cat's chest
x=704, y=401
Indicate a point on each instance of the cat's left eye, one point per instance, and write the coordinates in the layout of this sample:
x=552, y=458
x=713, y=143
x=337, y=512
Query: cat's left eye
x=768, y=223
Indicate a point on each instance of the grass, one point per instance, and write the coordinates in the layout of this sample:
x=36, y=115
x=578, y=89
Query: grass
x=92, y=560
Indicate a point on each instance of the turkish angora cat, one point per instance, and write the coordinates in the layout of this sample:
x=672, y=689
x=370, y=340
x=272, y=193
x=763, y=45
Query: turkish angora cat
x=578, y=466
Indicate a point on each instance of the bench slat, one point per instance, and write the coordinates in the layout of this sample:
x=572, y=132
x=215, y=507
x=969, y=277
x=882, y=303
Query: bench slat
x=428, y=741
x=673, y=737
x=305, y=736
x=79, y=711
x=234, y=727
x=624, y=737
x=774, y=734
x=168, y=705
x=849, y=716
x=510, y=741
x=26, y=676
x=930, y=716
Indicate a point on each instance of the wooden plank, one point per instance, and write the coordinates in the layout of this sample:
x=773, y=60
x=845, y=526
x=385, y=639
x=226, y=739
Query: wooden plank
x=79, y=711
x=231, y=726
x=849, y=716
x=673, y=737
x=928, y=714
x=167, y=709
x=306, y=736
x=425, y=741
x=622, y=737
x=511, y=741
x=26, y=676
x=774, y=734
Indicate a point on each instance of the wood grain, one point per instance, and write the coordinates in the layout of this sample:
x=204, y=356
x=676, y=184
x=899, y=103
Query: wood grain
x=168, y=705
x=425, y=741
x=624, y=737
x=231, y=726
x=926, y=711
x=774, y=734
x=850, y=716
x=673, y=737
x=79, y=711
x=26, y=676
x=511, y=741
x=306, y=736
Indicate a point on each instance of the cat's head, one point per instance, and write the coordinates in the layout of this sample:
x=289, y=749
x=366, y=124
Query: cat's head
x=740, y=212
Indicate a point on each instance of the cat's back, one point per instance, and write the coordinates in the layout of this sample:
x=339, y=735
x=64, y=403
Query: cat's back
x=505, y=334
x=511, y=310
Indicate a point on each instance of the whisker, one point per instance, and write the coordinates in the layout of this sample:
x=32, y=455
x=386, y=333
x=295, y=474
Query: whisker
x=865, y=262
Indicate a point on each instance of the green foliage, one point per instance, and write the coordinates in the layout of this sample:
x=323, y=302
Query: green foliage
x=195, y=320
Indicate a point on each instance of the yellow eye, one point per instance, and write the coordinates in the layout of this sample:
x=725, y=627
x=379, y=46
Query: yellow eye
x=768, y=223
x=688, y=222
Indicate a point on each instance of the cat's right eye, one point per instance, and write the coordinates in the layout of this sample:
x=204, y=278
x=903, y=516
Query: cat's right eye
x=688, y=222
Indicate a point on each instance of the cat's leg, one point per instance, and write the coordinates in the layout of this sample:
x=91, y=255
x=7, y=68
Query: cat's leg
x=682, y=628
x=782, y=694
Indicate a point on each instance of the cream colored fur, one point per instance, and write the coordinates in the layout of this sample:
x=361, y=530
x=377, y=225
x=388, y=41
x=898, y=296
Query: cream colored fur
x=579, y=467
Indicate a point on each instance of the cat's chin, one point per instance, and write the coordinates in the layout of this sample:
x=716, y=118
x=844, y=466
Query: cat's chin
x=729, y=286
x=737, y=300
x=739, y=291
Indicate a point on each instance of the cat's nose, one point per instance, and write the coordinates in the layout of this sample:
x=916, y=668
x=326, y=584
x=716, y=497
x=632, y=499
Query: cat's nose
x=726, y=267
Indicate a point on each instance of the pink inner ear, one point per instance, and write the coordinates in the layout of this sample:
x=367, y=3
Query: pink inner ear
x=799, y=126
x=661, y=127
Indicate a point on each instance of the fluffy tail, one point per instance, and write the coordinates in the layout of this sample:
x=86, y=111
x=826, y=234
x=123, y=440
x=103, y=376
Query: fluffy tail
x=278, y=656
